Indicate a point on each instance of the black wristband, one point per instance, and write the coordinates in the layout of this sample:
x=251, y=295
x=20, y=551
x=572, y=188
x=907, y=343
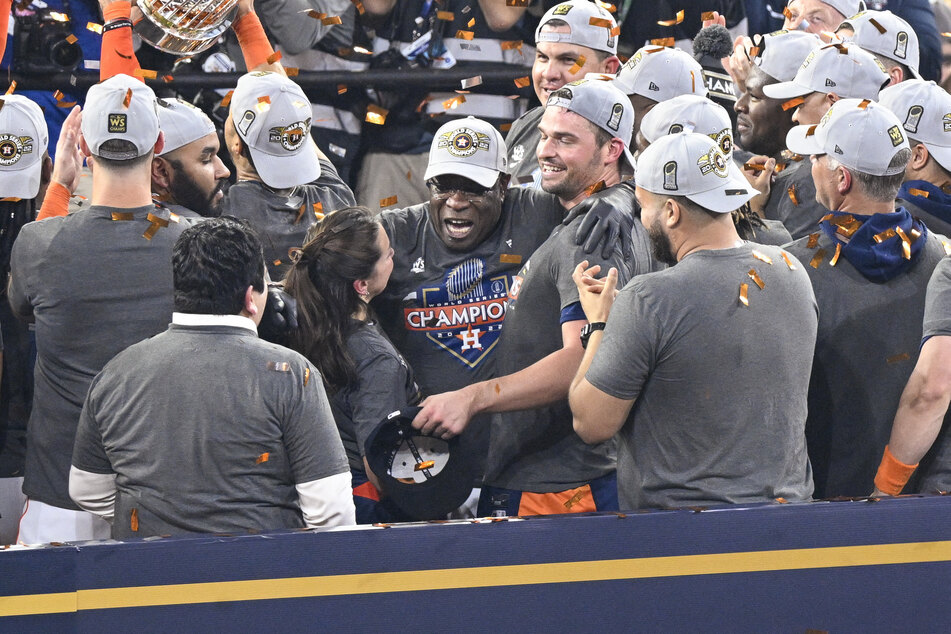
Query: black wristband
x=589, y=328
x=118, y=23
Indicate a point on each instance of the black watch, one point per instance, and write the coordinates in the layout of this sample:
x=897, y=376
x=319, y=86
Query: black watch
x=589, y=328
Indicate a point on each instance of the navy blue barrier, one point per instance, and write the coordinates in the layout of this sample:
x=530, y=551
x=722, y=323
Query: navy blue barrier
x=833, y=566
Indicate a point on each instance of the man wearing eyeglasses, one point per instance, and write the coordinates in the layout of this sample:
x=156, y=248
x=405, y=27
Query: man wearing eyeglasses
x=536, y=464
x=457, y=256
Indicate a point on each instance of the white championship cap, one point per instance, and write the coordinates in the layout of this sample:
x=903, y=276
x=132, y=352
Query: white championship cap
x=470, y=148
x=843, y=69
x=182, y=123
x=885, y=34
x=601, y=103
x=845, y=7
x=272, y=116
x=589, y=25
x=124, y=108
x=23, y=142
x=859, y=134
x=692, y=165
x=783, y=53
x=690, y=113
x=660, y=74
x=924, y=108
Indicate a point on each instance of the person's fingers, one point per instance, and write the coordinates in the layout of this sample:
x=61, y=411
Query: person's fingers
x=610, y=283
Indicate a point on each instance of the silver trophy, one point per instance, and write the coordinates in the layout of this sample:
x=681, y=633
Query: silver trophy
x=184, y=27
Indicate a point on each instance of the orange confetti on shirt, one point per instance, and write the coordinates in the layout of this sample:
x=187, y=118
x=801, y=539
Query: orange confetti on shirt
x=448, y=16
x=505, y=127
x=341, y=88
x=593, y=189
x=789, y=262
x=470, y=23
x=95, y=28
x=387, y=202
x=813, y=240
x=744, y=294
x=359, y=5
x=835, y=256
x=264, y=457
x=762, y=257
x=898, y=358
x=707, y=15
x=918, y=192
x=817, y=258
x=329, y=21
x=756, y=278
x=791, y=192
x=134, y=520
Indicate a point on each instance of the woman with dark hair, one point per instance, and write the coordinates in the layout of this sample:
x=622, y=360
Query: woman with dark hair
x=345, y=262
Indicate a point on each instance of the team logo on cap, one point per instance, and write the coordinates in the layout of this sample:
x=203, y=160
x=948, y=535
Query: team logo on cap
x=675, y=128
x=117, y=123
x=463, y=142
x=946, y=120
x=724, y=139
x=291, y=137
x=829, y=82
x=670, y=176
x=615, y=121
x=894, y=133
x=245, y=123
x=713, y=161
x=13, y=147
x=811, y=56
x=914, y=116
x=901, y=44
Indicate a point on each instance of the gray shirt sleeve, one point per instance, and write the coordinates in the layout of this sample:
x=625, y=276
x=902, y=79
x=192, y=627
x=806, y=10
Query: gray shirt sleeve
x=88, y=451
x=313, y=445
x=296, y=32
x=937, y=320
x=380, y=391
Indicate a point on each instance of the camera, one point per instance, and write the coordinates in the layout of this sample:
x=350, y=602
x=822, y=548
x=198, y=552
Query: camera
x=41, y=43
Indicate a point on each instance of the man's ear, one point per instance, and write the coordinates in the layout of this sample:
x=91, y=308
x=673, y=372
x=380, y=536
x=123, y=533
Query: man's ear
x=83, y=146
x=46, y=172
x=612, y=65
x=673, y=212
x=895, y=76
x=249, y=306
x=161, y=173
x=919, y=157
x=843, y=180
x=159, y=143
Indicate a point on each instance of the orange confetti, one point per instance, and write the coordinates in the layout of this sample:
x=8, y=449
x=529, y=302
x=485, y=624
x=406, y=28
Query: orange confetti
x=65, y=104
x=316, y=15
x=376, y=114
x=387, y=202
x=470, y=23
x=145, y=74
x=505, y=127
x=782, y=500
x=576, y=67
x=793, y=103
x=791, y=192
x=602, y=22
x=157, y=223
x=864, y=104
x=789, y=262
x=264, y=99
x=134, y=520
x=918, y=192
x=835, y=256
x=122, y=215
x=72, y=39
x=813, y=240
x=517, y=3
x=409, y=175
x=616, y=31
x=329, y=21
x=226, y=100
x=291, y=71
x=422, y=466
x=512, y=44
x=756, y=278
x=905, y=243
x=744, y=294
x=593, y=189
x=341, y=88
x=754, y=52
x=946, y=34
x=522, y=82
x=676, y=20
x=510, y=258
x=319, y=210
x=95, y=28
x=874, y=22
x=464, y=35
x=707, y=15
x=306, y=375
x=58, y=95
x=898, y=358
x=279, y=366
x=13, y=86
x=359, y=5
x=817, y=258
x=663, y=41
x=274, y=57
x=167, y=78
x=787, y=13
x=884, y=235
x=264, y=457
x=276, y=263
x=454, y=102
x=448, y=16
x=472, y=82
x=762, y=257
x=300, y=214
x=754, y=167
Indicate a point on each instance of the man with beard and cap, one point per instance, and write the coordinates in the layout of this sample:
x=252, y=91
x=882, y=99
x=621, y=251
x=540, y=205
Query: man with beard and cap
x=536, y=464
x=567, y=47
x=925, y=112
x=693, y=113
x=866, y=259
x=828, y=74
x=94, y=283
x=654, y=74
x=704, y=413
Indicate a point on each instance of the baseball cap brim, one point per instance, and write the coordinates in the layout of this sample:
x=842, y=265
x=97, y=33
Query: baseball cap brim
x=23, y=183
x=786, y=90
x=281, y=172
x=726, y=197
x=799, y=140
x=485, y=176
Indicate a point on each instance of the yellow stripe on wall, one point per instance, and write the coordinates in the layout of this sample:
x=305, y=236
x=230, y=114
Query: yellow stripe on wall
x=482, y=577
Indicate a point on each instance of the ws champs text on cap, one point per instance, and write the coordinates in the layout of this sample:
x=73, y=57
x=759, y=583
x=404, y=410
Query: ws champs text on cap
x=120, y=108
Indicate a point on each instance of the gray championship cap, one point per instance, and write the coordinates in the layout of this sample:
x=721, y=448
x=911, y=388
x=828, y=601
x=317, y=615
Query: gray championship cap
x=690, y=113
x=660, y=73
x=924, y=108
x=182, y=124
x=122, y=107
x=783, y=53
x=23, y=142
x=471, y=148
x=885, y=34
x=589, y=25
x=844, y=69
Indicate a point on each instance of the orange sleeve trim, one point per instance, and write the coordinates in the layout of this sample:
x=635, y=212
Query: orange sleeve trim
x=117, y=56
x=56, y=202
x=253, y=40
x=892, y=474
x=5, y=7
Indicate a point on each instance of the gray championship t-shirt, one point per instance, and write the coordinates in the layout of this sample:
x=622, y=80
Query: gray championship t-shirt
x=792, y=200
x=521, y=141
x=934, y=473
x=187, y=463
x=719, y=387
x=384, y=384
x=867, y=346
x=282, y=218
x=95, y=286
x=537, y=450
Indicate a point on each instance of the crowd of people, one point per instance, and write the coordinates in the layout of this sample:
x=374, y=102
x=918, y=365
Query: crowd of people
x=636, y=299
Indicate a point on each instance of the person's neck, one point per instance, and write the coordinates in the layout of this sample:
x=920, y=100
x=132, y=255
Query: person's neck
x=125, y=189
x=931, y=173
x=718, y=233
x=611, y=176
x=860, y=205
